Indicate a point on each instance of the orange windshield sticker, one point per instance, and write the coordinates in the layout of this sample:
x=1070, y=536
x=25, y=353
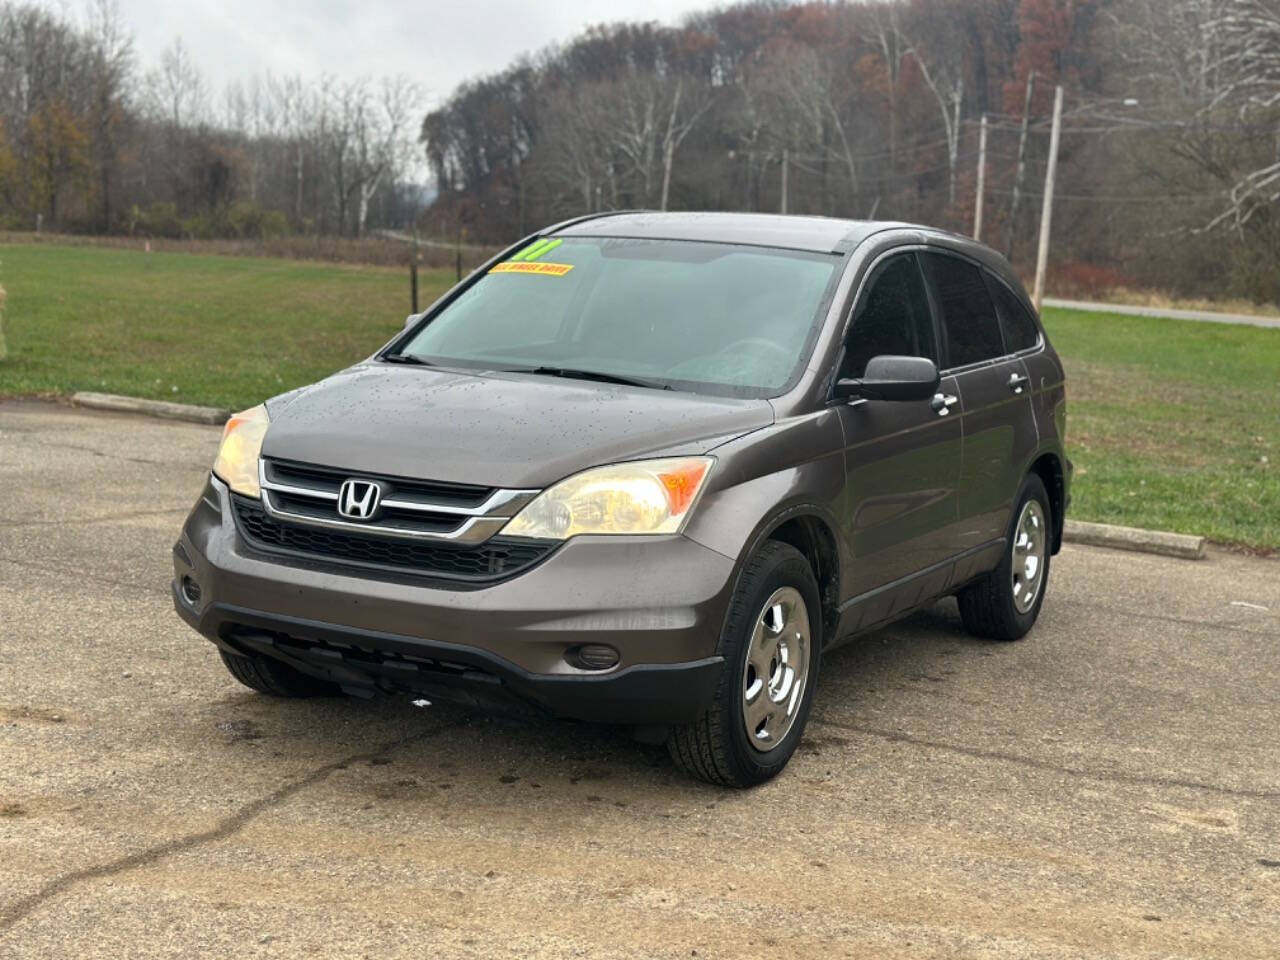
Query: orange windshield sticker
x=542, y=269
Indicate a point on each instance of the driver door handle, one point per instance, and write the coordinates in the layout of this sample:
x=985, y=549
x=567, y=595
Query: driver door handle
x=1018, y=381
x=943, y=402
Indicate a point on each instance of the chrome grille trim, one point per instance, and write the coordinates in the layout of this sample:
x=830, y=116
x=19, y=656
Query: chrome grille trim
x=474, y=524
x=499, y=498
x=289, y=488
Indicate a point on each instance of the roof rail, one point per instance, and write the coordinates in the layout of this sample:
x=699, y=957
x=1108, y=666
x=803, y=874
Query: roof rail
x=574, y=221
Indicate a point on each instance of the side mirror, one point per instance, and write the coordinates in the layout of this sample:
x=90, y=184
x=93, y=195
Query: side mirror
x=891, y=378
x=411, y=319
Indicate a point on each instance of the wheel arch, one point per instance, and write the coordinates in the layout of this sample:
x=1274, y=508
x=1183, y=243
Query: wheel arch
x=811, y=532
x=1048, y=466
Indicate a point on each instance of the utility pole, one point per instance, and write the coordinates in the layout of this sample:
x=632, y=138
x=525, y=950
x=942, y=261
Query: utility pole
x=1022, y=167
x=982, y=179
x=1046, y=211
x=784, y=181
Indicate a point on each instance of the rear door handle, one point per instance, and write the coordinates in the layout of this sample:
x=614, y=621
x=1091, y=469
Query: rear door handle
x=943, y=402
x=1018, y=381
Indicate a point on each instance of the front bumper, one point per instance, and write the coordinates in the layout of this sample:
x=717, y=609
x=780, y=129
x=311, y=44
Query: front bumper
x=659, y=601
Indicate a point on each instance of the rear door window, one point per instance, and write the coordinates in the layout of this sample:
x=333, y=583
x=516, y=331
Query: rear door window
x=968, y=315
x=891, y=318
x=1020, y=331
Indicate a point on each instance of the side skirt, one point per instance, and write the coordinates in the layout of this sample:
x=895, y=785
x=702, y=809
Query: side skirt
x=900, y=598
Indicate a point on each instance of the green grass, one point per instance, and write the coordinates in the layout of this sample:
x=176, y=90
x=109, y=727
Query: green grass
x=224, y=331
x=1173, y=424
x=1169, y=420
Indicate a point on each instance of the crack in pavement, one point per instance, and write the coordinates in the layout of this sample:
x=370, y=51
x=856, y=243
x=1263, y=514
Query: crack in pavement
x=99, y=453
x=90, y=575
x=1183, y=621
x=1102, y=776
x=62, y=445
x=229, y=826
x=72, y=521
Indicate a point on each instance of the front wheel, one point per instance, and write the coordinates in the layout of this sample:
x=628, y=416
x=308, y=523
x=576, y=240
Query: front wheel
x=270, y=676
x=772, y=644
x=1004, y=604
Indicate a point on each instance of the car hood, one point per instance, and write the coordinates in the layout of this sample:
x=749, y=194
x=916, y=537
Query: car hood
x=493, y=429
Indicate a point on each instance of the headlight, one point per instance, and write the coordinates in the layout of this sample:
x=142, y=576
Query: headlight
x=647, y=496
x=237, y=462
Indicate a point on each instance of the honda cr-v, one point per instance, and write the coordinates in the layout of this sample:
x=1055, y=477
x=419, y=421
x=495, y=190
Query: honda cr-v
x=646, y=469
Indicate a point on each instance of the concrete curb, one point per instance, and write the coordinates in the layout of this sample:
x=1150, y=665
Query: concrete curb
x=1179, y=545
x=151, y=408
x=1204, y=316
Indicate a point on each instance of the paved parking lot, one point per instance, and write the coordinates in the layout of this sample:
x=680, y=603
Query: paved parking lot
x=1109, y=787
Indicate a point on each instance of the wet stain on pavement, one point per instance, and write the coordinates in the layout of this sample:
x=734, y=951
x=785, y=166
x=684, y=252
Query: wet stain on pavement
x=240, y=731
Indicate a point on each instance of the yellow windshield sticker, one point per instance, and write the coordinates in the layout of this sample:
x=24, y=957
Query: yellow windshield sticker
x=536, y=249
x=541, y=269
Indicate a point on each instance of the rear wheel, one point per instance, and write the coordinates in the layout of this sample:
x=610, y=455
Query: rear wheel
x=1004, y=605
x=269, y=676
x=772, y=644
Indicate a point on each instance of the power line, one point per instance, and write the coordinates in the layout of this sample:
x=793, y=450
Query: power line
x=1102, y=198
x=905, y=150
x=899, y=175
x=1041, y=126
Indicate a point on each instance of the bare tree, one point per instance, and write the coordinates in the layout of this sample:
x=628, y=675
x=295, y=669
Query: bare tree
x=579, y=119
x=112, y=63
x=813, y=110
x=370, y=139
x=636, y=128
x=945, y=80
x=680, y=124
x=176, y=91
x=885, y=37
x=383, y=139
x=1248, y=71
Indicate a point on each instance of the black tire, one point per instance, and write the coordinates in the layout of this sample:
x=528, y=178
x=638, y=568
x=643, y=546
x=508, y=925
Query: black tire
x=715, y=748
x=274, y=678
x=987, y=607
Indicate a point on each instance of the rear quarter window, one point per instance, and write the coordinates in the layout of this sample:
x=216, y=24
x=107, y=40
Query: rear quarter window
x=1020, y=331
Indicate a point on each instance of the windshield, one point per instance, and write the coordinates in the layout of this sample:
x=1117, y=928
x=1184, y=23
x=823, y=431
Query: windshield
x=707, y=317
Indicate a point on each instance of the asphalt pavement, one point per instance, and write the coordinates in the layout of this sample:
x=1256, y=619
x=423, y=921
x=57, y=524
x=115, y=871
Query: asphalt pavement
x=1108, y=787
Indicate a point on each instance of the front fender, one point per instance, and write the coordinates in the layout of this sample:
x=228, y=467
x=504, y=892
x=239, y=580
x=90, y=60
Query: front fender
x=797, y=463
x=794, y=469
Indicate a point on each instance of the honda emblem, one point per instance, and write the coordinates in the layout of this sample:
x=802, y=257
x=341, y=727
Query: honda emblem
x=359, y=499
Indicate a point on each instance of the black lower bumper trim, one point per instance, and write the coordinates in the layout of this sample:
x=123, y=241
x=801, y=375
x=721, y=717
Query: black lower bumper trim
x=371, y=661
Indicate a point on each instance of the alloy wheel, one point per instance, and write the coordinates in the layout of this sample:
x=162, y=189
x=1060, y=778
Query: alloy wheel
x=776, y=670
x=1028, y=556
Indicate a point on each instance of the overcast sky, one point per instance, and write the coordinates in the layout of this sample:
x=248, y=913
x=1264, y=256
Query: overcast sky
x=438, y=44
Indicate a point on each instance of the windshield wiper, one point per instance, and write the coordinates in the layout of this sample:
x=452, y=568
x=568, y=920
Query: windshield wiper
x=410, y=358
x=569, y=373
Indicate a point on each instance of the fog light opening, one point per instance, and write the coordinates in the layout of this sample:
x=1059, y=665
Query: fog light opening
x=592, y=656
x=191, y=591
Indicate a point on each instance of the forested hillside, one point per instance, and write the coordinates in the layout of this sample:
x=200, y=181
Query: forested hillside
x=1169, y=175
x=1170, y=158
x=91, y=140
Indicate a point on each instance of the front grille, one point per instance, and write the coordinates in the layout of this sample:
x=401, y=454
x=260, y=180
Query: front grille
x=307, y=494
x=324, y=511
x=310, y=476
x=496, y=559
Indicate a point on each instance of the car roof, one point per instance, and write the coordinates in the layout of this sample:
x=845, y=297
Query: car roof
x=788, y=231
x=816, y=234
